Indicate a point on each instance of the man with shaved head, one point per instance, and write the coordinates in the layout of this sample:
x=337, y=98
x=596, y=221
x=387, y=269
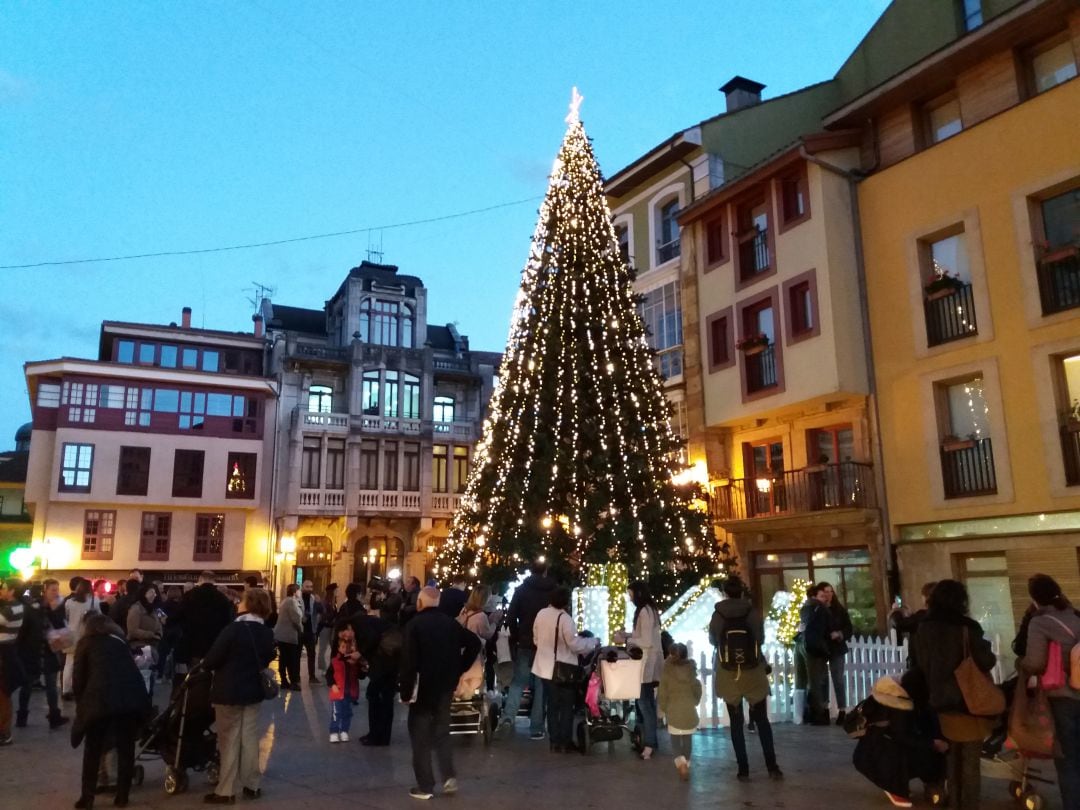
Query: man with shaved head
x=437, y=651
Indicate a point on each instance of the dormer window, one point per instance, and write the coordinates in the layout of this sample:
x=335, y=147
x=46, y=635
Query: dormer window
x=386, y=323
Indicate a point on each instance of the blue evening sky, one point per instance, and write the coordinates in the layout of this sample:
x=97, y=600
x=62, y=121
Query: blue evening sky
x=140, y=127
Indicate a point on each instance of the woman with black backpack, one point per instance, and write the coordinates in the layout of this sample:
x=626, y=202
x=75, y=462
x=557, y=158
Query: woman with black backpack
x=736, y=631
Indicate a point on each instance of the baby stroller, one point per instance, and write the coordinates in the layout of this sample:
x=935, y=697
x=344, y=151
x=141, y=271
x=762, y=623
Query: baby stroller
x=180, y=735
x=1003, y=759
x=476, y=714
x=612, y=684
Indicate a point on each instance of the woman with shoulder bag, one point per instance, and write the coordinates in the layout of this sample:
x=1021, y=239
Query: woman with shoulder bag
x=646, y=637
x=1055, y=623
x=946, y=639
x=473, y=618
x=238, y=658
x=556, y=663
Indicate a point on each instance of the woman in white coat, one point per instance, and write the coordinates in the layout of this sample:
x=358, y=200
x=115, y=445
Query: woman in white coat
x=556, y=640
x=646, y=637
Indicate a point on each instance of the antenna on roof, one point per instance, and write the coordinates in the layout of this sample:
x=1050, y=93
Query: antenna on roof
x=258, y=293
x=375, y=254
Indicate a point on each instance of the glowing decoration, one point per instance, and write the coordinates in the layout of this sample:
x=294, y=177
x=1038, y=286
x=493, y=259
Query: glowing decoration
x=288, y=544
x=578, y=453
x=782, y=621
x=237, y=482
x=688, y=618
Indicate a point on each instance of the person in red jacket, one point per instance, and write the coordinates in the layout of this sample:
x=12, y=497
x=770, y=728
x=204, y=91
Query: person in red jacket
x=346, y=687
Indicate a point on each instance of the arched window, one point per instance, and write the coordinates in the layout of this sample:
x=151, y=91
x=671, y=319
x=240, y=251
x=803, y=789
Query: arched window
x=320, y=399
x=444, y=409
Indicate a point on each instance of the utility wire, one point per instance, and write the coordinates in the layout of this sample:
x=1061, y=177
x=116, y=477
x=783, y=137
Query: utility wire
x=224, y=248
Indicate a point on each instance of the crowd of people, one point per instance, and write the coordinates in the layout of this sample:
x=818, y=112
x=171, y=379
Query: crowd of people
x=417, y=646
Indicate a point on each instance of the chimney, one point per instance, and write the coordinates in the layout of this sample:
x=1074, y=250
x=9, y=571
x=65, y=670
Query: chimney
x=258, y=319
x=185, y=318
x=741, y=92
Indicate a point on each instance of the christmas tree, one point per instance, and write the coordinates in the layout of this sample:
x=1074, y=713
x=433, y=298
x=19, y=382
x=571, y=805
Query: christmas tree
x=577, y=456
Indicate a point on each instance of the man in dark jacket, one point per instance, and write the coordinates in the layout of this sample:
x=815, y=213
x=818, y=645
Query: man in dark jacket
x=379, y=643
x=353, y=603
x=840, y=632
x=203, y=613
x=12, y=676
x=42, y=612
x=313, y=609
x=812, y=657
x=436, y=652
x=532, y=596
x=119, y=610
x=453, y=599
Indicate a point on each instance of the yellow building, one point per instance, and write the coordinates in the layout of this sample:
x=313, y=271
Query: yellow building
x=970, y=220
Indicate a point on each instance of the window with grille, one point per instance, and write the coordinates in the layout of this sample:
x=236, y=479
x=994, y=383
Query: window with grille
x=209, y=537
x=188, y=474
x=240, y=481
x=155, y=536
x=133, y=475
x=99, y=529
x=76, y=467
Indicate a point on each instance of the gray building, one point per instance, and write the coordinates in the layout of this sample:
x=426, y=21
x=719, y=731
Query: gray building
x=379, y=413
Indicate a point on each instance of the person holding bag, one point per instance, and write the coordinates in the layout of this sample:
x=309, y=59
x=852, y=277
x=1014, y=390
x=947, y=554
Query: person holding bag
x=556, y=663
x=239, y=658
x=952, y=655
x=1052, y=637
x=646, y=637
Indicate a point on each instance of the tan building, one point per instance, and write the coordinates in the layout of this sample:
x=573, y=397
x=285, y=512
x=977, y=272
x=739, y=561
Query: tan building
x=158, y=455
x=783, y=415
x=379, y=415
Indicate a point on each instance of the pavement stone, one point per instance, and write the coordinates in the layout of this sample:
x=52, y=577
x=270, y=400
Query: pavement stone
x=303, y=770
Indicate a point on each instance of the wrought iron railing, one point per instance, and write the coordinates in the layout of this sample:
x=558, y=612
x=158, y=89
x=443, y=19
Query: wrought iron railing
x=754, y=253
x=967, y=468
x=950, y=317
x=1059, y=281
x=760, y=369
x=848, y=485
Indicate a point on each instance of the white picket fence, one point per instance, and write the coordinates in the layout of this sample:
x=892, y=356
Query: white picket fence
x=868, y=660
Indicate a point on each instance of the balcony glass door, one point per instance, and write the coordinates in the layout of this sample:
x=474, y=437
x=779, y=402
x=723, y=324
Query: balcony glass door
x=765, y=474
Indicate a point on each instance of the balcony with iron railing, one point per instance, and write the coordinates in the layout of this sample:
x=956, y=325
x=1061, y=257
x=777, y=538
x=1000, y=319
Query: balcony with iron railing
x=950, y=315
x=760, y=368
x=821, y=488
x=754, y=253
x=967, y=467
x=1059, y=280
x=666, y=251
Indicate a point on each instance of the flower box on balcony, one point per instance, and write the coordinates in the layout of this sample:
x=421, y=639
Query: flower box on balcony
x=1060, y=253
x=951, y=444
x=942, y=286
x=754, y=344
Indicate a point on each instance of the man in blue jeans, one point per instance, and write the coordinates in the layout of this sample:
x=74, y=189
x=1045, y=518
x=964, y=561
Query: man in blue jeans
x=532, y=596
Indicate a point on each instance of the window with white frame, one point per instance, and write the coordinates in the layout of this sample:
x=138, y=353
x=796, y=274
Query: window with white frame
x=76, y=467
x=661, y=310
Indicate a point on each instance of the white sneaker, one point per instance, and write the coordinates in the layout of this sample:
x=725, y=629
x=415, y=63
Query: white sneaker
x=335, y=737
x=344, y=736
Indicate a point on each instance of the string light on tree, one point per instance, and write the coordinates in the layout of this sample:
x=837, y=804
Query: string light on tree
x=578, y=454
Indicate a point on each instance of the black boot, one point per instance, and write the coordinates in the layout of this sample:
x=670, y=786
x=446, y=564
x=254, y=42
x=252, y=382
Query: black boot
x=85, y=803
x=56, y=719
x=20, y=718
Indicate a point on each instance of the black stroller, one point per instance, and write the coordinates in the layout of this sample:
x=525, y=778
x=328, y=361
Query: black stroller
x=180, y=735
x=611, y=686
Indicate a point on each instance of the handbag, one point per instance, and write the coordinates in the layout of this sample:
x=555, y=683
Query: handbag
x=982, y=696
x=1031, y=726
x=563, y=672
x=267, y=677
x=1055, y=663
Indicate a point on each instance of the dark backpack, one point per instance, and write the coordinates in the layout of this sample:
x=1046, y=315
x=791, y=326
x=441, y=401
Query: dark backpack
x=738, y=648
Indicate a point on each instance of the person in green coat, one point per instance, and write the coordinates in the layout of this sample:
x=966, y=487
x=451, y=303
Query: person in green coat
x=678, y=699
x=736, y=630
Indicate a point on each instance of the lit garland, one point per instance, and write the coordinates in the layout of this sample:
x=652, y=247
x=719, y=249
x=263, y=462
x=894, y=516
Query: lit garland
x=786, y=617
x=578, y=453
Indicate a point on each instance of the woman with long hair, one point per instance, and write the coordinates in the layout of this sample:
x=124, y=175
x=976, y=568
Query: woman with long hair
x=945, y=638
x=237, y=658
x=1055, y=621
x=325, y=631
x=646, y=637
